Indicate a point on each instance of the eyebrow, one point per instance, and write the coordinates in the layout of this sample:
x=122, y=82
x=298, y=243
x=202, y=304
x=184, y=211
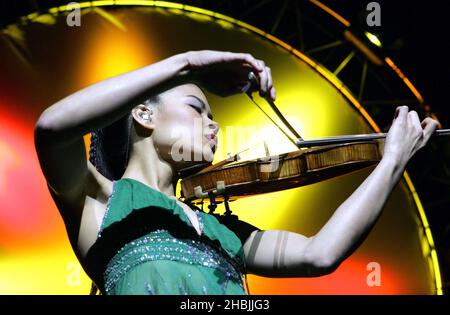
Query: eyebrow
x=203, y=105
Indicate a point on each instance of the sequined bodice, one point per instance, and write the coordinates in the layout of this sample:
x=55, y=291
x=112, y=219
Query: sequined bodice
x=161, y=245
x=142, y=225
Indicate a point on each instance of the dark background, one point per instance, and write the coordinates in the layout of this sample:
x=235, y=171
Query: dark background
x=416, y=34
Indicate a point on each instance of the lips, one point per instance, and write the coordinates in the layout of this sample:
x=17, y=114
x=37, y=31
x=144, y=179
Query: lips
x=212, y=138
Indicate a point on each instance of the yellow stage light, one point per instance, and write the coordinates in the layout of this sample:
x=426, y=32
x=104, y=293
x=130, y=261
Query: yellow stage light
x=373, y=39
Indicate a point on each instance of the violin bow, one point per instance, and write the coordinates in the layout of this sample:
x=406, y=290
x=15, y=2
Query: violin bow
x=357, y=138
x=253, y=85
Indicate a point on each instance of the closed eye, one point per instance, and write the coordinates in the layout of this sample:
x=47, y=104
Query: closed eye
x=199, y=110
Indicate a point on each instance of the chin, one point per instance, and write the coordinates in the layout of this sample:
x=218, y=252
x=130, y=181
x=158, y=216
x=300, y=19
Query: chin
x=203, y=154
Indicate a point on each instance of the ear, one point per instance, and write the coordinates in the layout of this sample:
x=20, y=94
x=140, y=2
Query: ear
x=143, y=116
x=143, y=120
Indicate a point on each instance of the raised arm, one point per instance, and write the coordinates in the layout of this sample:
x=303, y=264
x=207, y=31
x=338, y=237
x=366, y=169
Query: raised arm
x=100, y=104
x=276, y=253
x=60, y=128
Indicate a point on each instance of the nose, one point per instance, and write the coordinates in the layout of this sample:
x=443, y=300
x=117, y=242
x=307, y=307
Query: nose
x=214, y=126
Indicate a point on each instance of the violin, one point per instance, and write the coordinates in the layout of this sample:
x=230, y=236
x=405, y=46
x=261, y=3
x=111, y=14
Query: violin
x=314, y=161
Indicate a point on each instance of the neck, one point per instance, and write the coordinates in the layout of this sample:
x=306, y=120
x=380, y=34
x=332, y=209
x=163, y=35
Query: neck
x=147, y=166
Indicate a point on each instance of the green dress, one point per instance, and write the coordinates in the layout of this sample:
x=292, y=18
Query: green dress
x=147, y=245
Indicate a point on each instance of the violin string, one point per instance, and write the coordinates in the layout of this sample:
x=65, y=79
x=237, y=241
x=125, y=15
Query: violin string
x=273, y=121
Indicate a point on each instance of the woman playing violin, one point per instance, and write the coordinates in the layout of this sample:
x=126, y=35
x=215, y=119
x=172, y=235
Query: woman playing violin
x=128, y=229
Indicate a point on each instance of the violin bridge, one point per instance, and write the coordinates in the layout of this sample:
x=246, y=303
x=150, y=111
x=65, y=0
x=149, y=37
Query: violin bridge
x=219, y=190
x=266, y=149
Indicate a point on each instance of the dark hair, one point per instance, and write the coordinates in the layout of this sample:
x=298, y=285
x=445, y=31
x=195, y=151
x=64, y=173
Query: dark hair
x=110, y=146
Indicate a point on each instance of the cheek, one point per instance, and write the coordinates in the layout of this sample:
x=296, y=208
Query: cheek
x=178, y=126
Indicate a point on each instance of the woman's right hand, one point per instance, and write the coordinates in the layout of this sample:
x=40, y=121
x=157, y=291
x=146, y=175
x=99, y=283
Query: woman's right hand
x=225, y=73
x=407, y=135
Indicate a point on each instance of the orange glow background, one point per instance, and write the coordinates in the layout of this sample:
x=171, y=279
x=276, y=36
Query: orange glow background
x=35, y=254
